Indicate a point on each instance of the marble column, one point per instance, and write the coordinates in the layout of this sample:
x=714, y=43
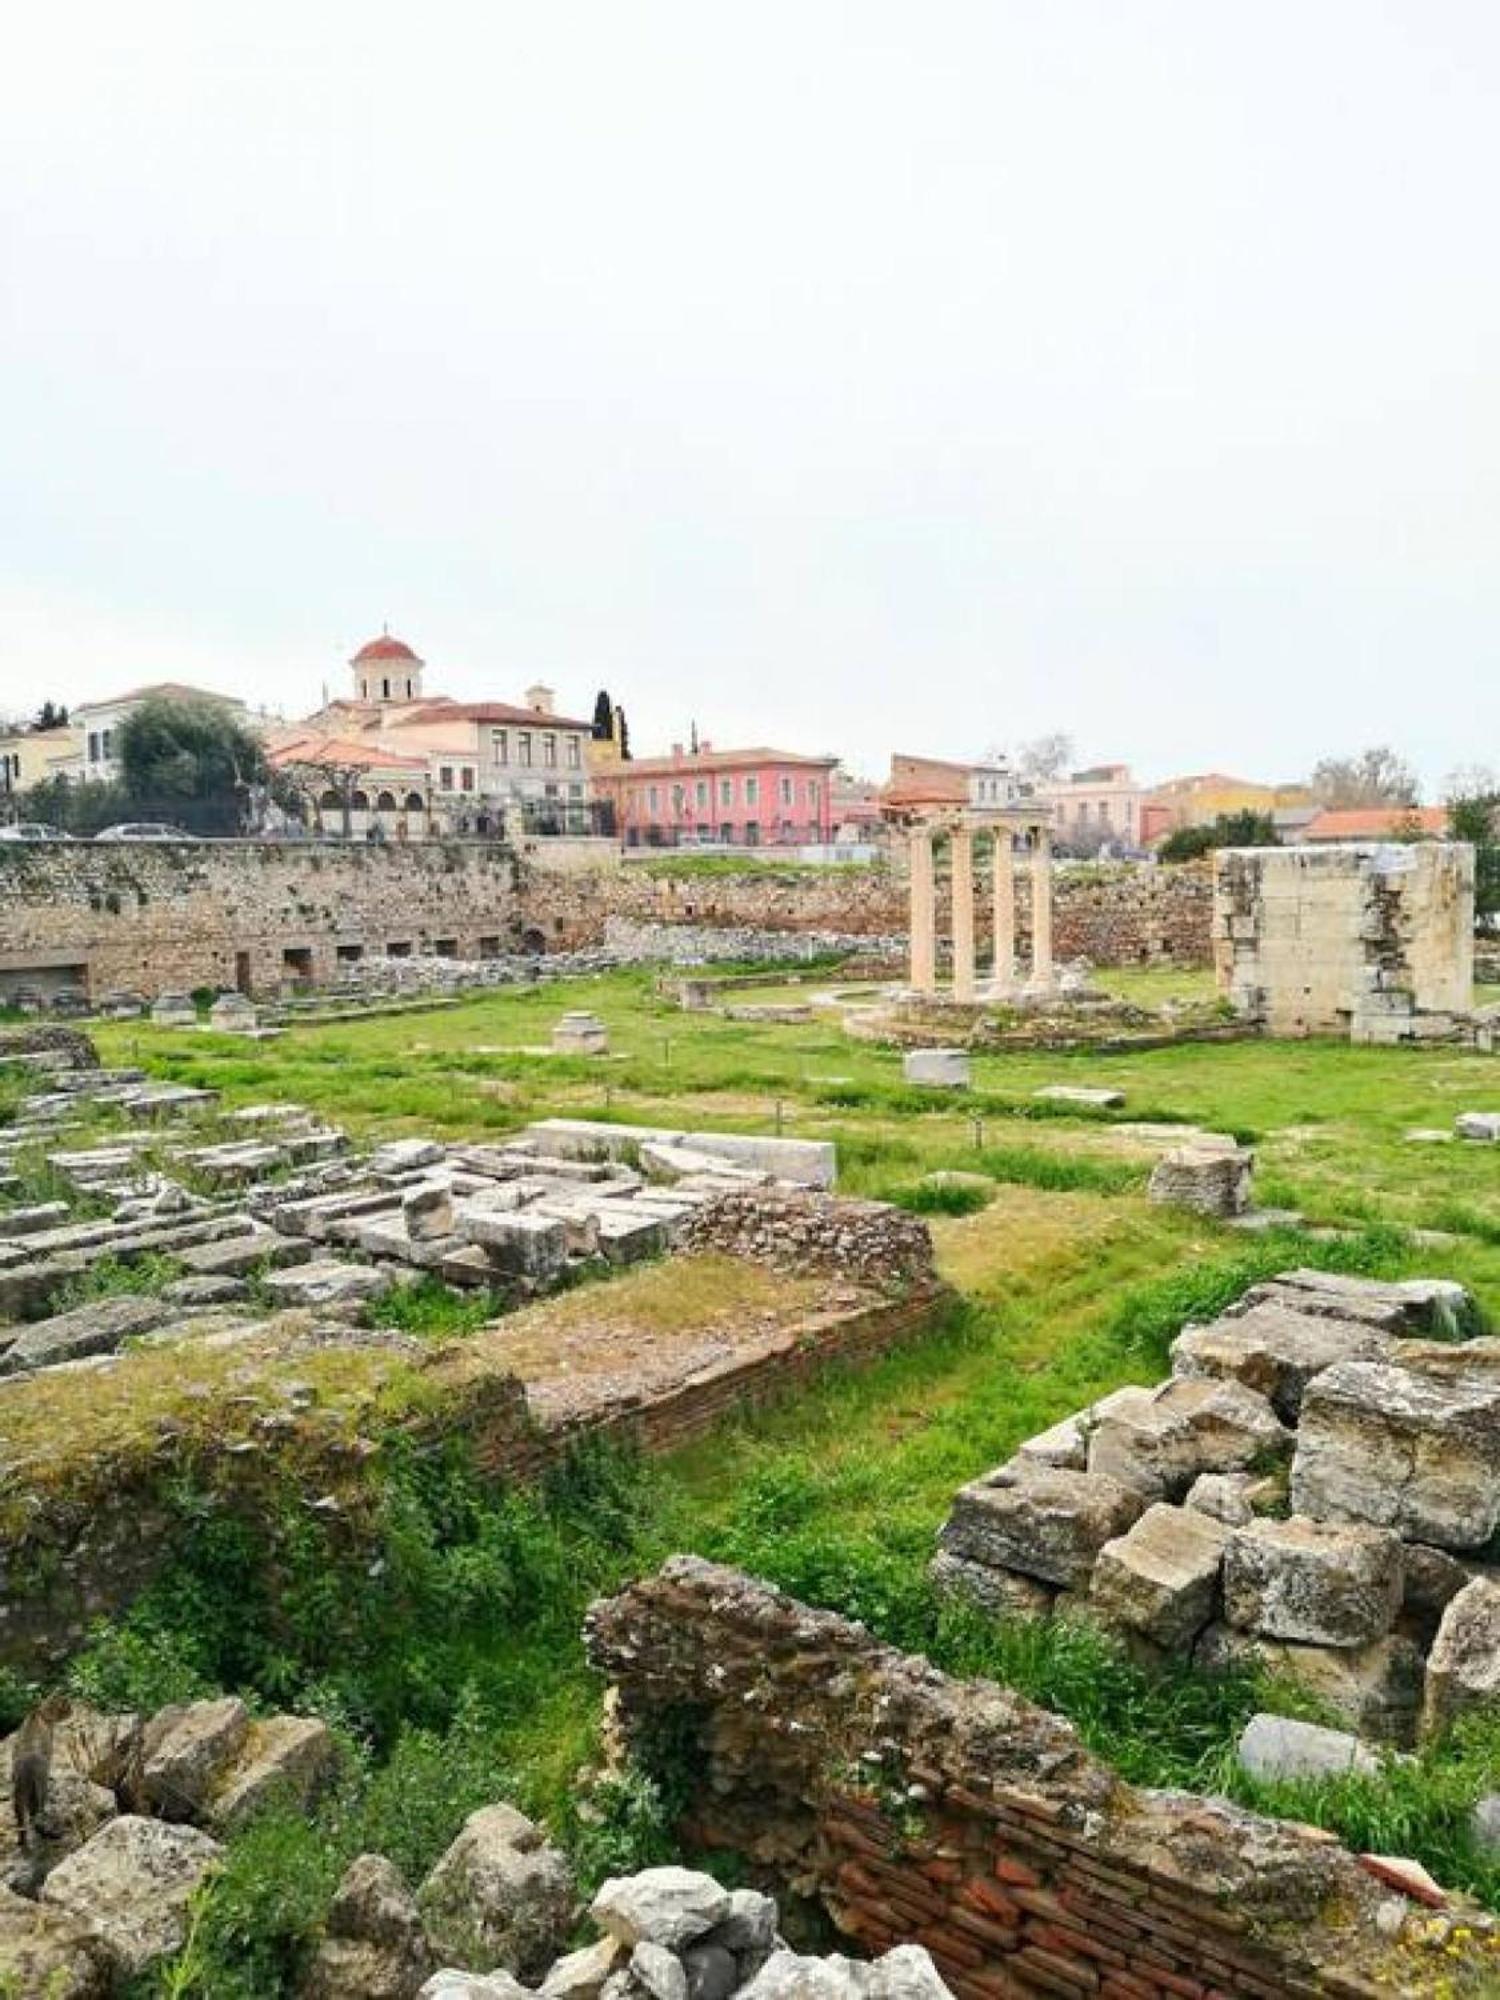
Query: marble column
x=963, y=912
x=1004, y=975
x=1041, y=909
x=923, y=911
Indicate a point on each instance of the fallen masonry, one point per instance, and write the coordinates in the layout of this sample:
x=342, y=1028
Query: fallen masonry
x=1316, y=1489
x=957, y=1816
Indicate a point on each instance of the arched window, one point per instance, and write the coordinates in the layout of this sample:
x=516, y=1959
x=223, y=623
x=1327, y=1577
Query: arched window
x=386, y=802
x=330, y=801
x=415, y=803
x=361, y=802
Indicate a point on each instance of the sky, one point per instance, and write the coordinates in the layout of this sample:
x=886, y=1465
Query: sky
x=845, y=377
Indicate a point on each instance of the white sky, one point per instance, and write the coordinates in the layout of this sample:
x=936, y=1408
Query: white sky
x=849, y=376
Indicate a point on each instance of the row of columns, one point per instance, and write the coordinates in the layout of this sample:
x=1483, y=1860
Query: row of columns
x=924, y=910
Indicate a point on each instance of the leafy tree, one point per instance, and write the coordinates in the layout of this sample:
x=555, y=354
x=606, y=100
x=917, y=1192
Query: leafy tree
x=74, y=807
x=51, y=715
x=1238, y=829
x=1475, y=817
x=1045, y=757
x=1376, y=777
x=604, y=717
x=190, y=759
x=624, y=736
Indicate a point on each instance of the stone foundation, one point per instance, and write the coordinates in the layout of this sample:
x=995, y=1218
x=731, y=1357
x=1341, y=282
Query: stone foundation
x=960, y=1817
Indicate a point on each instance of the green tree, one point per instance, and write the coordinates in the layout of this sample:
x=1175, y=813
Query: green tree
x=1238, y=829
x=1475, y=817
x=193, y=761
x=51, y=715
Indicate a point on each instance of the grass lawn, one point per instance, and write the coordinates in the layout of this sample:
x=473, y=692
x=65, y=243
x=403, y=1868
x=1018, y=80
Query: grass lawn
x=1070, y=1283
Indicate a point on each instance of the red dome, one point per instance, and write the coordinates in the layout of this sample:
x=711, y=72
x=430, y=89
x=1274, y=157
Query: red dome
x=385, y=648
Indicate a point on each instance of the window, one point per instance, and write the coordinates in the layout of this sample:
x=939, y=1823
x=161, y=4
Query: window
x=385, y=690
x=523, y=749
x=726, y=833
x=499, y=746
x=726, y=791
x=653, y=800
x=93, y=746
x=812, y=791
x=445, y=778
x=752, y=791
x=575, y=753
x=109, y=744
x=1104, y=812
x=679, y=801
x=549, y=749
x=700, y=794
x=786, y=791
x=575, y=791
x=466, y=778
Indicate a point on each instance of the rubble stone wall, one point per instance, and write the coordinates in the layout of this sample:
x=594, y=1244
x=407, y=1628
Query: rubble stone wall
x=150, y=919
x=960, y=1817
x=1312, y=940
x=1112, y=914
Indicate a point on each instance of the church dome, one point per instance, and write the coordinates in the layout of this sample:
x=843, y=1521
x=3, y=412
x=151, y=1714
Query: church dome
x=384, y=648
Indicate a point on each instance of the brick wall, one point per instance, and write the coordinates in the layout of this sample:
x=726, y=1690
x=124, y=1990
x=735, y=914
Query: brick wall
x=917, y=1807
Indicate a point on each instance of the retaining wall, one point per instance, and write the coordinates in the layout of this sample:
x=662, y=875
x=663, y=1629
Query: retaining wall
x=958, y=1815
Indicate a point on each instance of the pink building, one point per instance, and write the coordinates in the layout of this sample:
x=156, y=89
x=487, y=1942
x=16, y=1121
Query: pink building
x=740, y=798
x=1098, y=806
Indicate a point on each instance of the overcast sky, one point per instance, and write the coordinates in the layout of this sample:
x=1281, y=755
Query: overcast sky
x=844, y=376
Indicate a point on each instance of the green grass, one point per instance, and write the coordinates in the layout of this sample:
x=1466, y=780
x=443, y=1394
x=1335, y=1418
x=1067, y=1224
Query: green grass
x=461, y=1653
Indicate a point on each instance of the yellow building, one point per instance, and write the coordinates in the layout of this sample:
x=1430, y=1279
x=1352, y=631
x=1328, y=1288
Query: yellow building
x=27, y=756
x=1209, y=795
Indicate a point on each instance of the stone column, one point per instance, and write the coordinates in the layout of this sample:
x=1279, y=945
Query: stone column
x=963, y=913
x=922, y=915
x=1004, y=976
x=1041, y=909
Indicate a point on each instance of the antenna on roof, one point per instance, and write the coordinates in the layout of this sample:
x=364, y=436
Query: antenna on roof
x=693, y=738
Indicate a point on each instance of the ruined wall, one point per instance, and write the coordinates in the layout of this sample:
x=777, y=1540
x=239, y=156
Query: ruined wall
x=960, y=1816
x=1314, y=940
x=1111, y=914
x=150, y=919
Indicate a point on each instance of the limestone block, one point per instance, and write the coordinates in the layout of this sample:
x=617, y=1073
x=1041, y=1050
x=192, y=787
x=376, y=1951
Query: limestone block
x=668, y=1906
x=1046, y=1523
x=1274, y=1350
x=629, y=1239
x=1376, y=1689
x=427, y=1211
x=1407, y=1306
x=1161, y=1440
x=1064, y=1446
x=1096, y=1099
x=1222, y=1496
x=185, y=1749
x=99, y=1328
x=1161, y=1578
x=1483, y=1126
x=402, y=1156
x=231, y=1014
x=581, y=1974
x=43, y=1951
x=1279, y=1749
x=1416, y=1451
x=285, y=1760
x=499, y=1895
x=1463, y=1668
x=174, y=1010
x=946, y=1069
x=580, y=1034
x=372, y=1947
x=1432, y=1579
x=327, y=1283
x=1003, y=1591
x=534, y=1247
x=1214, y=1180
x=131, y=1885
x=1312, y=1583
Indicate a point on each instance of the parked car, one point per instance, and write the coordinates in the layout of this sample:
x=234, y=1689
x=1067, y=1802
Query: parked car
x=32, y=830
x=144, y=829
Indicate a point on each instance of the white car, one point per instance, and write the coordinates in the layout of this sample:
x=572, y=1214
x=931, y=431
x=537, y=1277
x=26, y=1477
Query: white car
x=143, y=829
x=32, y=830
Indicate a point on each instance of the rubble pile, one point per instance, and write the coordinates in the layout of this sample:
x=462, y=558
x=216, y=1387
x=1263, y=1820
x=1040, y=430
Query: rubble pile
x=1316, y=1488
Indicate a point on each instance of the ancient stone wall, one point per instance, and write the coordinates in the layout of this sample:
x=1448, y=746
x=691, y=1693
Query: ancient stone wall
x=960, y=1817
x=1113, y=915
x=1317, y=940
x=150, y=919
